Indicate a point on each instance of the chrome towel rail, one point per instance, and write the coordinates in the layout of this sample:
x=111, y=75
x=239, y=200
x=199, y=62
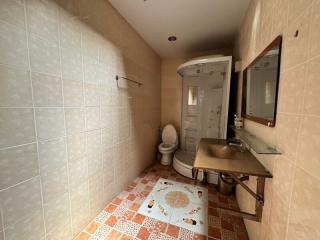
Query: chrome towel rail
x=130, y=80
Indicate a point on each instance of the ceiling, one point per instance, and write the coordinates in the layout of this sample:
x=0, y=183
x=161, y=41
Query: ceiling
x=199, y=25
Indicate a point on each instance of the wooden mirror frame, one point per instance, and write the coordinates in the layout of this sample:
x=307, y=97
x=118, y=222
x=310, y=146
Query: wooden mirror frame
x=270, y=123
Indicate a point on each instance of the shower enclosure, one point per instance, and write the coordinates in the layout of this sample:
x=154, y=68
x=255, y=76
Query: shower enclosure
x=206, y=85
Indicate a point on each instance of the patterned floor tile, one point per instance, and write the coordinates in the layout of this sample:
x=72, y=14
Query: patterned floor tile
x=120, y=219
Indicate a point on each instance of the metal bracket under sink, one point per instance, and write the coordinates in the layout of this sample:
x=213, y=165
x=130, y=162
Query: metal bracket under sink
x=258, y=195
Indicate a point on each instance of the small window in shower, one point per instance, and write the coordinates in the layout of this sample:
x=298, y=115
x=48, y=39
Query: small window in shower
x=192, y=95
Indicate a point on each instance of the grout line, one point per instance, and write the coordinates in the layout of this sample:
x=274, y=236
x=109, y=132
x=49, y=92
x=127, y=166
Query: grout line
x=19, y=183
x=64, y=119
x=34, y=116
x=15, y=146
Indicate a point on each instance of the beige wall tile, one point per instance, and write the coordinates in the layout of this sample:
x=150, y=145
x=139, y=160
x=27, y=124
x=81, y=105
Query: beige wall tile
x=47, y=90
x=12, y=12
x=44, y=55
x=15, y=88
x=50, y=123
x=308, y=156
x=279, y=219
x=287, y=134
x=13, y=46
x=311, y=102
x=57, y=212
x=52, y=154
x=304, y=215
x=21, y=202
x=292, y=87
x=75, y=120
x=315, y=32
x=18, y=164
x=297, y=7
x=66, y=56
x=17, y=126
x=294, y=51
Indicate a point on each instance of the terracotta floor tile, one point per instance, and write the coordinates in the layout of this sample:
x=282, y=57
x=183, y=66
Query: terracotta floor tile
x=143, y=233
x=199, y=237
x=227, y=225
x=135, y=207
x=113, y=235
x=127, y=203
x=111, y=221
x=138, y=218
x=82, y=236
x=173, y=230
x=110, y=208
x=126, y=237
x=214, y=232
x=131, y=197
x=213, y=212
x=117, y=201
x=92, y=227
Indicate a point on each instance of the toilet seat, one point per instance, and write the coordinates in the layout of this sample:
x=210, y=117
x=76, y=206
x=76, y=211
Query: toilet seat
x=166, y=146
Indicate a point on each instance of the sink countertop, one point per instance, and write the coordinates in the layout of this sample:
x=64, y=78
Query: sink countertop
x=217, y=155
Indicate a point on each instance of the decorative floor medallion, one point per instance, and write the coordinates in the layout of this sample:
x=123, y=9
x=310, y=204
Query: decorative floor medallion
x=179, y=204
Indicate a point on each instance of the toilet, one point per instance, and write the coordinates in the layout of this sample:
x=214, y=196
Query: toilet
x=169, y=144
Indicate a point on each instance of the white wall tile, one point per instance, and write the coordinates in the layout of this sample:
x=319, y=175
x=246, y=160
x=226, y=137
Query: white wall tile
x=54, y=183
x=18, y=164
x=16, y=126
x=73, y=93
x=12, y=12
x=30, y=228
x=15, y=88
x=71, y=63
x=21, y=202
x=43, y=18
x=50, y=123
x=92, y=95
x=13, y=46
x=75, y=120
x=52, y=154
x=78, y=172
x=57, y=212
x=92, y=118
x=47, y=90
x=70, y=33
x=44, y=55
x=76, y=146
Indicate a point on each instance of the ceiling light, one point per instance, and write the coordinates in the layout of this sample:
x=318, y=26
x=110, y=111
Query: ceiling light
x=172, y=38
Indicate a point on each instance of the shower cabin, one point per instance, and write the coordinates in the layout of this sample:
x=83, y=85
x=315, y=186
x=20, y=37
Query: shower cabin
x=205, y=104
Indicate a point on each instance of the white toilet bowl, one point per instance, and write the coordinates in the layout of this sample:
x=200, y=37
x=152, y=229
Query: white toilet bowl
x=169, y=144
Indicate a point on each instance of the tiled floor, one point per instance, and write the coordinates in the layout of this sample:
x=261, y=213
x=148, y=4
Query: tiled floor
x=120, y=219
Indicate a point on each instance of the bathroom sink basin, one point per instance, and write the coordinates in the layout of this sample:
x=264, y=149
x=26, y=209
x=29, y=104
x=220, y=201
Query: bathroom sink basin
x=222, y=151
x=219, y=156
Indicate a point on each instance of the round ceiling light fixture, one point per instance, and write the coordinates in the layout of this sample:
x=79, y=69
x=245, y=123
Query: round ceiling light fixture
x=172, y=38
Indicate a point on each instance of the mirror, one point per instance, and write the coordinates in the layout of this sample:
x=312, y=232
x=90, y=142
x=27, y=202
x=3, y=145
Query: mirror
x=260, y=86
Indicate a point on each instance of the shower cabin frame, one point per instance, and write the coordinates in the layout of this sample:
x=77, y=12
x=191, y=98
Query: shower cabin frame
x=225, y=88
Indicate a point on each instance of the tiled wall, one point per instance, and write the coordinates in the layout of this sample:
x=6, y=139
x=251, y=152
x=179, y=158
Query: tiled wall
x=292, y=207
x=70, y=139
x=171, y=86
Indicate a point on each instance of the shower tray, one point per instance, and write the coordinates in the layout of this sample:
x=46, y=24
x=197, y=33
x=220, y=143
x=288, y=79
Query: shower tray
x=183, y=163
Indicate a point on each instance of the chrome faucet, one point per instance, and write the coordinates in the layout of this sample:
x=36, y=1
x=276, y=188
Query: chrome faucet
x=238, y=143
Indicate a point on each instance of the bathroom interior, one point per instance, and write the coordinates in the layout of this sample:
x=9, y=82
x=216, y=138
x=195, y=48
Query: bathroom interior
x=151, y=119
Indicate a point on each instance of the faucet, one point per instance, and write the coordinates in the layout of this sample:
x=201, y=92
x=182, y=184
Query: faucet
x=237, y=142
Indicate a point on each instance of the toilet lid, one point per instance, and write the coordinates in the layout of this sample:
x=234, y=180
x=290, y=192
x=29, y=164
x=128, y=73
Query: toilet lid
x=169, y=134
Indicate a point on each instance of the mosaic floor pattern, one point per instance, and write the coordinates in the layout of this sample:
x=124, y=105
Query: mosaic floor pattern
x=179, y=204
x=121, y=219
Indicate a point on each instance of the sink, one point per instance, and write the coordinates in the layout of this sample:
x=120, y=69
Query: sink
x=218, y=155
x=222, y=151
